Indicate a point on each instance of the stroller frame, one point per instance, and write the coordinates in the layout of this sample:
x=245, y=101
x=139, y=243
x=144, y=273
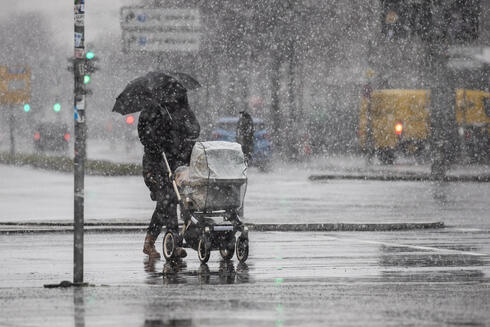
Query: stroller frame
x=201, y=233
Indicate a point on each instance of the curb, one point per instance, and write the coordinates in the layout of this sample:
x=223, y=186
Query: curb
x=39, y=228
x=341, y=227
x=405, y=178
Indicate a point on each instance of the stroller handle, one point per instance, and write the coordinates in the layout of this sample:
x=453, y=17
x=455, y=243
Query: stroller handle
x=170, y=175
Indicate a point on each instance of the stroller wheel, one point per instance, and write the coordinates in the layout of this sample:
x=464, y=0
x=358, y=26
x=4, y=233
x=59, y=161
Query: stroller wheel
x=242, y=248
x=203, y=251
x=228, y=249
x=169, y=245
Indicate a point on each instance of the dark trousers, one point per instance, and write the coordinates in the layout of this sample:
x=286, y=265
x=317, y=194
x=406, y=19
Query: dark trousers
x=165, y=214
x=156, y=178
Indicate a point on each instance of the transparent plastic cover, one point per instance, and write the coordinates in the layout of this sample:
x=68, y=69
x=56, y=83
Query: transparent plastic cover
x=216, y=160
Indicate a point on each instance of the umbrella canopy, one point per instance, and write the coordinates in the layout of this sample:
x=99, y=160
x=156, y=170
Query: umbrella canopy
x=187, y=81
x=158, y=86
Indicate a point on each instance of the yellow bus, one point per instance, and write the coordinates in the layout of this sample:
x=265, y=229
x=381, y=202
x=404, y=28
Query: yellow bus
x=395, y=120
x=399, y=120
x=473, y=120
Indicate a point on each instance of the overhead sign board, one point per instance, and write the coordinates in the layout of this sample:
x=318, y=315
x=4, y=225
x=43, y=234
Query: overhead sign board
x=15, y=85
x=160, y=29
x=151, y=18
x=160, y=41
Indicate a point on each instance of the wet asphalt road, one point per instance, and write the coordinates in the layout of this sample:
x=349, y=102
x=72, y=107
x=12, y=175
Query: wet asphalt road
x=431, y=277
x=424, y=277
x=284, y=195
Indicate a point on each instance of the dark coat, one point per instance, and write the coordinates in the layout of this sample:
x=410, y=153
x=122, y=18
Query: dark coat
x=245, y=134
x=169, y=128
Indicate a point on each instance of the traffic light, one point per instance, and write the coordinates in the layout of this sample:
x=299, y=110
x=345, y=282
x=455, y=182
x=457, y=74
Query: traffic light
x=130, y=119
x=27, y=107
x=89, y=66
x=57, y=107
x=84, y=75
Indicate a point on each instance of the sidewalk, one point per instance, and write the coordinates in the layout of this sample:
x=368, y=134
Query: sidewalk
x=282, y=196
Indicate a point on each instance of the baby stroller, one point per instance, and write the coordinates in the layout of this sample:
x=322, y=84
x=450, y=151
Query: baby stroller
x=210, y=193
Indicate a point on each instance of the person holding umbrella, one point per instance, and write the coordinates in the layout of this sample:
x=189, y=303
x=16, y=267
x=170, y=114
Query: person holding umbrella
x=170, y=130
x=166, y=125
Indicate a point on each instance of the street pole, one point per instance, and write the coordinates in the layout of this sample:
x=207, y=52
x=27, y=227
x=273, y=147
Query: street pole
x=80, y=136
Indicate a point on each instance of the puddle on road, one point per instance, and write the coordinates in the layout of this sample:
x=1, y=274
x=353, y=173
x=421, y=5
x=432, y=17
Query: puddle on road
x=373, y=261
x=177, y=272
x=433, y=276
x=430, y=260
x=455, y=247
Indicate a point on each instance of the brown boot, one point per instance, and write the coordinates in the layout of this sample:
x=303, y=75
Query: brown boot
x=149, y=247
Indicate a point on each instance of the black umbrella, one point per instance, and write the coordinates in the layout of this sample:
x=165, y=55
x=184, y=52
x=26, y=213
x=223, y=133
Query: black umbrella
x=187, y=81
x=159, y=86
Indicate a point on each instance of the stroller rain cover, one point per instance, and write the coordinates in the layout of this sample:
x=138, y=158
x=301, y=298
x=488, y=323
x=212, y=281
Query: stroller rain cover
x=217, y=175
x=216, y=160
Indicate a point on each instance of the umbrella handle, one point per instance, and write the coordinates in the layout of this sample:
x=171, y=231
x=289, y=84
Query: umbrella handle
x=164, y=107
x=170, y=175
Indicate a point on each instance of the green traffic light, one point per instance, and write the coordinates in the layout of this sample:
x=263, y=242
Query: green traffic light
x=57, y=107
x=27, y=107
x=86, y=79
x=89, y=55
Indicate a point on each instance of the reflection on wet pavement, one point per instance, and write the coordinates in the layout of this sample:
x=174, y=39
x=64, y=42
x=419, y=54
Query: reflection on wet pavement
x=79, y=306
x=408, y=257
x=389, y=278
x=430, y=260
x=467, y=275
x=425, y=267
x=152, y=275
x=176, y=272
x=274, y=256
x=411, y=264
x=336, y=258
